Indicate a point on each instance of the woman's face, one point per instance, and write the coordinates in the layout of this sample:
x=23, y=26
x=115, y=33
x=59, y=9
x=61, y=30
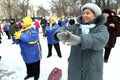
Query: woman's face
x=24, y=25
x=106, y=14
x=88, y=15
x=51, y=21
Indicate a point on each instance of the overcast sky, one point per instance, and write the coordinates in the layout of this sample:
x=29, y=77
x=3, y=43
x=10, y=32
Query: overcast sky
x=44, y=3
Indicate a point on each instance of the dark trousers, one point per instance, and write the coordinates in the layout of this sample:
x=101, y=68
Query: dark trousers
x=107, y=53
x=43, y=30
x=0, y=57
x=57, y=48
x=8, y=34
x=0, y=38
x=13, y=39
x=33, y=69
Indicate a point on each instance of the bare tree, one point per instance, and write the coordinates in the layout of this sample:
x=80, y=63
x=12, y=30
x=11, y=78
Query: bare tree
x=32, y=11
x=66, y=7
x=42, y=11
x=19, y=9
x=9, y=7
x=24, y=8
x=110, y=4
x=12, y=8
x=59, y=7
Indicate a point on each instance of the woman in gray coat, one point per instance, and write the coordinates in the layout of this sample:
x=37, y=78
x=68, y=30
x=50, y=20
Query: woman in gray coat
x=87, y=40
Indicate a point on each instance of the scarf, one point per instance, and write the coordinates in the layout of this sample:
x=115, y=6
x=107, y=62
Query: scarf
x=51, y=26
x=25, y=29
x=86, y=28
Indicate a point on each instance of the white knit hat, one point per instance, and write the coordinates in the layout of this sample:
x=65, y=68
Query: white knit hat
x=93, y=7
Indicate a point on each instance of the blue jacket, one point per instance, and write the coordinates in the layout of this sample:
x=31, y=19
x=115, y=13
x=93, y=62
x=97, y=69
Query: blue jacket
x=62, y=23
x=49, y=33
x=30, y=52
x=6, y=27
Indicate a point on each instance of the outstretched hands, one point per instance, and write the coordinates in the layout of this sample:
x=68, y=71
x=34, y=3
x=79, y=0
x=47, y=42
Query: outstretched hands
x=68, y=38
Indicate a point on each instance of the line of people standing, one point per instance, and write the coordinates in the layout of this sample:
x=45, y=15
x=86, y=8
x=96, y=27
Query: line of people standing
x=10, y=29
x=28, y=39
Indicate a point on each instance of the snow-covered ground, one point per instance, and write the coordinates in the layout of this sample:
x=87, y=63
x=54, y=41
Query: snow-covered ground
x=12, y=66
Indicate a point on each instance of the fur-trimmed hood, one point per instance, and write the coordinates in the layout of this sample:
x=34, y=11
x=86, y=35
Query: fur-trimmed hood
x=100, y=20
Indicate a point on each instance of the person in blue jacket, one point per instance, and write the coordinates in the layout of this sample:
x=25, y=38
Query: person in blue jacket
x=63, y=21
x=50, y=29
x=6, y=29
x=29, y=42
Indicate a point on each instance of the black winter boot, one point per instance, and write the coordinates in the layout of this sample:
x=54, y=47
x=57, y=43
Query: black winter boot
x=35, y=78
x=27, y=77
x=0, y=57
